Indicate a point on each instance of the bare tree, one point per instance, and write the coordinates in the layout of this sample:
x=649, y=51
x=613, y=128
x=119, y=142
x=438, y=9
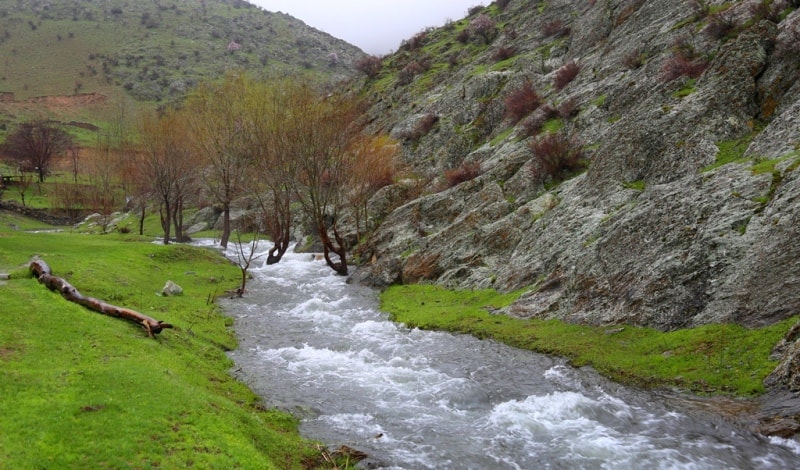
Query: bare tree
x=103, y=171
x=317, y=132
x=166, y=163
x=371, y=167
x=35, y=144
x=271, y=186
x=219, y=131
x=245, y=258
x=24, y=181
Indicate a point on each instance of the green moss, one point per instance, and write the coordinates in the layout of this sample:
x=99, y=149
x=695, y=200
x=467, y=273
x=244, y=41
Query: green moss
x=730, y=151
x=721, y=359
x=687, y=89
x=638, y=185
x=599, y=101
x=552, y=126
x=505, y=64
x=501, y=137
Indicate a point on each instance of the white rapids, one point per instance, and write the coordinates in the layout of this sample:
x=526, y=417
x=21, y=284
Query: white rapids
x=320, y=348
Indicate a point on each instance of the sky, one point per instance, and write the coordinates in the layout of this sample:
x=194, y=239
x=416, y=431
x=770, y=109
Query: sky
x=376, y=26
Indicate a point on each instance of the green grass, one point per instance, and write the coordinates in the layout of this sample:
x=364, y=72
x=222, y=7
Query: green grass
x=84, y=390
x=638, y=185
x=688, y=88
x=552, y=126
x=718, y=359
x=731, y=151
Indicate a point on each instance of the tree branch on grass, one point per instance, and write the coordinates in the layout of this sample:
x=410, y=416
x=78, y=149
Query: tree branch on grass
x=41, y=271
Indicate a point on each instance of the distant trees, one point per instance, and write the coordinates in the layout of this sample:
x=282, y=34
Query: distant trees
x=34, y=145
x=286, y=144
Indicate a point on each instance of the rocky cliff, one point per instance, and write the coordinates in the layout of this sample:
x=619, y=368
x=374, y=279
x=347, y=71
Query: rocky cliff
x=686, y=118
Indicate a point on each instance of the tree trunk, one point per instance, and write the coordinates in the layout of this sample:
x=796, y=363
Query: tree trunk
x=340, y=267
x=141, y=219
x=177, y=219
x=280, y=246
x=226, y=226
x=41, y=271
x=166, y=220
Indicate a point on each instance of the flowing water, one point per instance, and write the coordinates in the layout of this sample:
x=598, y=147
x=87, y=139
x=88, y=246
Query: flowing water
x=319, y=348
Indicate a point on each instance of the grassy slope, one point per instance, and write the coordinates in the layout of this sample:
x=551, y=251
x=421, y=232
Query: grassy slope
x=151, y=51
x=720, y=359
x=83, y=390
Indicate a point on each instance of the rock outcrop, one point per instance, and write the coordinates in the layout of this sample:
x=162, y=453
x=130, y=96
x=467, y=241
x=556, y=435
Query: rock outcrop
x=688, y=212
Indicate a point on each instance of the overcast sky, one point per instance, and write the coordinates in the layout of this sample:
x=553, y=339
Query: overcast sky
x=376, y=26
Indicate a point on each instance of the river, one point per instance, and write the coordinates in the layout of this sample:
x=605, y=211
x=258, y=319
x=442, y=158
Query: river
x=410, y=399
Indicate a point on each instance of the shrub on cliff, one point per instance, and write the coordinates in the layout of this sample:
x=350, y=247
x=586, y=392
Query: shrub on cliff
x=566, y=74
x=369, y=65
x=522, y=101
x=558, y=156
x=483, y=27
x=465, y=172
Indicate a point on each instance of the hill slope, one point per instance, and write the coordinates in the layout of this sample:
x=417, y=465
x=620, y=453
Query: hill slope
x=685, y=114
x=154, y=50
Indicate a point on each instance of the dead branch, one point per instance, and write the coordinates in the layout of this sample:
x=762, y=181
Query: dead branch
x=42, y=272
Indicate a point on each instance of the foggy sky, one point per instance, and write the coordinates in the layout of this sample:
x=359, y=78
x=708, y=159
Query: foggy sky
x=376, y=26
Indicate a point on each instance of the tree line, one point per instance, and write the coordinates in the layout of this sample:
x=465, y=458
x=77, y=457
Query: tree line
x=290, y=148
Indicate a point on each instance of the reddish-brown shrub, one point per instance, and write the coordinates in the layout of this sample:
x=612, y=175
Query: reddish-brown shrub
x=416, y=41
x=565, y=74
x=720, y=24
x=556, y=28
x=568, y=108
x=767, y=10
x=679, y=65
x=466, y=172
x=533, y=124
x=502, y=4
x=369, y=65
x=414, y=68
x=463, y=36
x=522, y=101
x=633, y=59
x=504, y=53
x=558, y=156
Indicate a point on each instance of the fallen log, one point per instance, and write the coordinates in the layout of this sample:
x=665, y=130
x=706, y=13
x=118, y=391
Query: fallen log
x=42, y=272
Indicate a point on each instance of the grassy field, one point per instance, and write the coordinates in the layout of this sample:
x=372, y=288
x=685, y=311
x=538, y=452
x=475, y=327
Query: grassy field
x=84, y=390
x=713, y=359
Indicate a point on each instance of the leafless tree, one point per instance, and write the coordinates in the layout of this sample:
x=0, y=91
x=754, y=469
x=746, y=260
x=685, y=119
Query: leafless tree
x=33, y=145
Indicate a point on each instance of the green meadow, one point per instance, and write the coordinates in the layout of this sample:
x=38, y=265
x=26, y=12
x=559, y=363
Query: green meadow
x=84, y=390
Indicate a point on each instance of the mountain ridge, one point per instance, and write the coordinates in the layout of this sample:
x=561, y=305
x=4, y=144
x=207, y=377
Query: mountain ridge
x=155, y=51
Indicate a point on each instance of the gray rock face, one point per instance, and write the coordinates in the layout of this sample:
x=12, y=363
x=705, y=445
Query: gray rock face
x=651, y=234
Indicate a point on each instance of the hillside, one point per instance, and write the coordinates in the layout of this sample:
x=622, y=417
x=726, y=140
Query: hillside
x=627, y=162
x=151, y=51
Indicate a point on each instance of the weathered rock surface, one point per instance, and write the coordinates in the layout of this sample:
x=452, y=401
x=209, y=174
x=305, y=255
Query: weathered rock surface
x=652, y=234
